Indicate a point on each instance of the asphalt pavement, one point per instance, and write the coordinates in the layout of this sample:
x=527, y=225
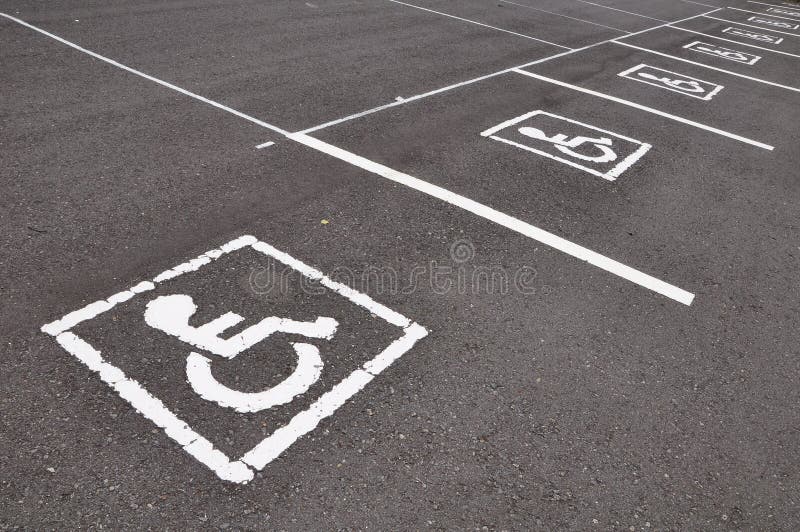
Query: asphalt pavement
x=384, y=265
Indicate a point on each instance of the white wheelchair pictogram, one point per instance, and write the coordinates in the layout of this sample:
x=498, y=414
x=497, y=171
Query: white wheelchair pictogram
x=171, y=314
x=566, y=145
x=679, y=84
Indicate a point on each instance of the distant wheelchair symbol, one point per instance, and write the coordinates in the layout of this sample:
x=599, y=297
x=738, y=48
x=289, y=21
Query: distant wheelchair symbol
x=564, y=145
x=171, y=314
x=680, y=84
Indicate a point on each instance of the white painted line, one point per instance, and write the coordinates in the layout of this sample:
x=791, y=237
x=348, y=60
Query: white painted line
x=271, y=447
x=680, y=83
x=509, y=222
x=747, y=34
x=620, y=10
x=762, y=14
x=265, y=145
x=487, y=76
x=723, y=53
x=480, y=24
x=729, y=72
x=736, y=42
x=762, y=28
x=148, y=77
x=648, y=110
x=564, y=16
x=700, y=3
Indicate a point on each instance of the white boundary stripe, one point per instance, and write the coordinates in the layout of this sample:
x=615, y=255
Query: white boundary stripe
x=192, y=442
x=509, y=222
x=148, y=77
x=564, y=16
x=488, y=76
x=647, y=109
x=762, y=28
x=480, y=24
x=620, y=10
x=729, y=72
x=699, y=3
x=265, y=145
x=766, y=15
x=733, y=41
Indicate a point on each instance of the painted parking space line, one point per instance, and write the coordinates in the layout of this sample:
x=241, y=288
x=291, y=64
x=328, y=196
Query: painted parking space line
x=740, y=23
x=480, y=24
x=737, y=42
x=651, y=110
x=620, y=10
x=680, y=83
x=564, y=16
x=265, y=145
x=163, y=316
x=703, y=65
x=500, y=218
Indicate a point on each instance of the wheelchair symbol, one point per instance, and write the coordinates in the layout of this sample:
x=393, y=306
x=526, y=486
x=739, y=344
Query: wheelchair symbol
x=565, y=145
x=171, y=315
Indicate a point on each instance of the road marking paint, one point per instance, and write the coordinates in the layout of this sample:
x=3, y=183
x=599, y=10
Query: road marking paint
x=729, y=72
x=480, y=24
x=487, y=76
x=648, y=110
x=241, y=470
x=620, y=10
x=771, y=5
x=761, y=13
x=532, y=137
x=750, y=26
x=509, y=222
x=680, y=83
x=747, y=34
x=700, y=3
x=774, y=23
x=148, y=77
x=564, y=16
x=783, y=11
x=722, y=52
x=265, y=145
x=737, y=42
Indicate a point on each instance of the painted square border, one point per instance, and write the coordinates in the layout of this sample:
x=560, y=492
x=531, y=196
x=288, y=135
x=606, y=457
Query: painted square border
x=241, y=470
x=626, y=74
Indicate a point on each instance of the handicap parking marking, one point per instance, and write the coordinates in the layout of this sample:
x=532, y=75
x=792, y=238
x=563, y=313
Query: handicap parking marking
x=747, y=34
x=783, y=11
x=722, y=52
x=167, y=318
x=773, y=23
x=744, y=22
x=680, y=83
x=589, y=148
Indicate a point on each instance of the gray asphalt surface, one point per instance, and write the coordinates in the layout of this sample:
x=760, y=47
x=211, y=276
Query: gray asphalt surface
x=548, y=394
